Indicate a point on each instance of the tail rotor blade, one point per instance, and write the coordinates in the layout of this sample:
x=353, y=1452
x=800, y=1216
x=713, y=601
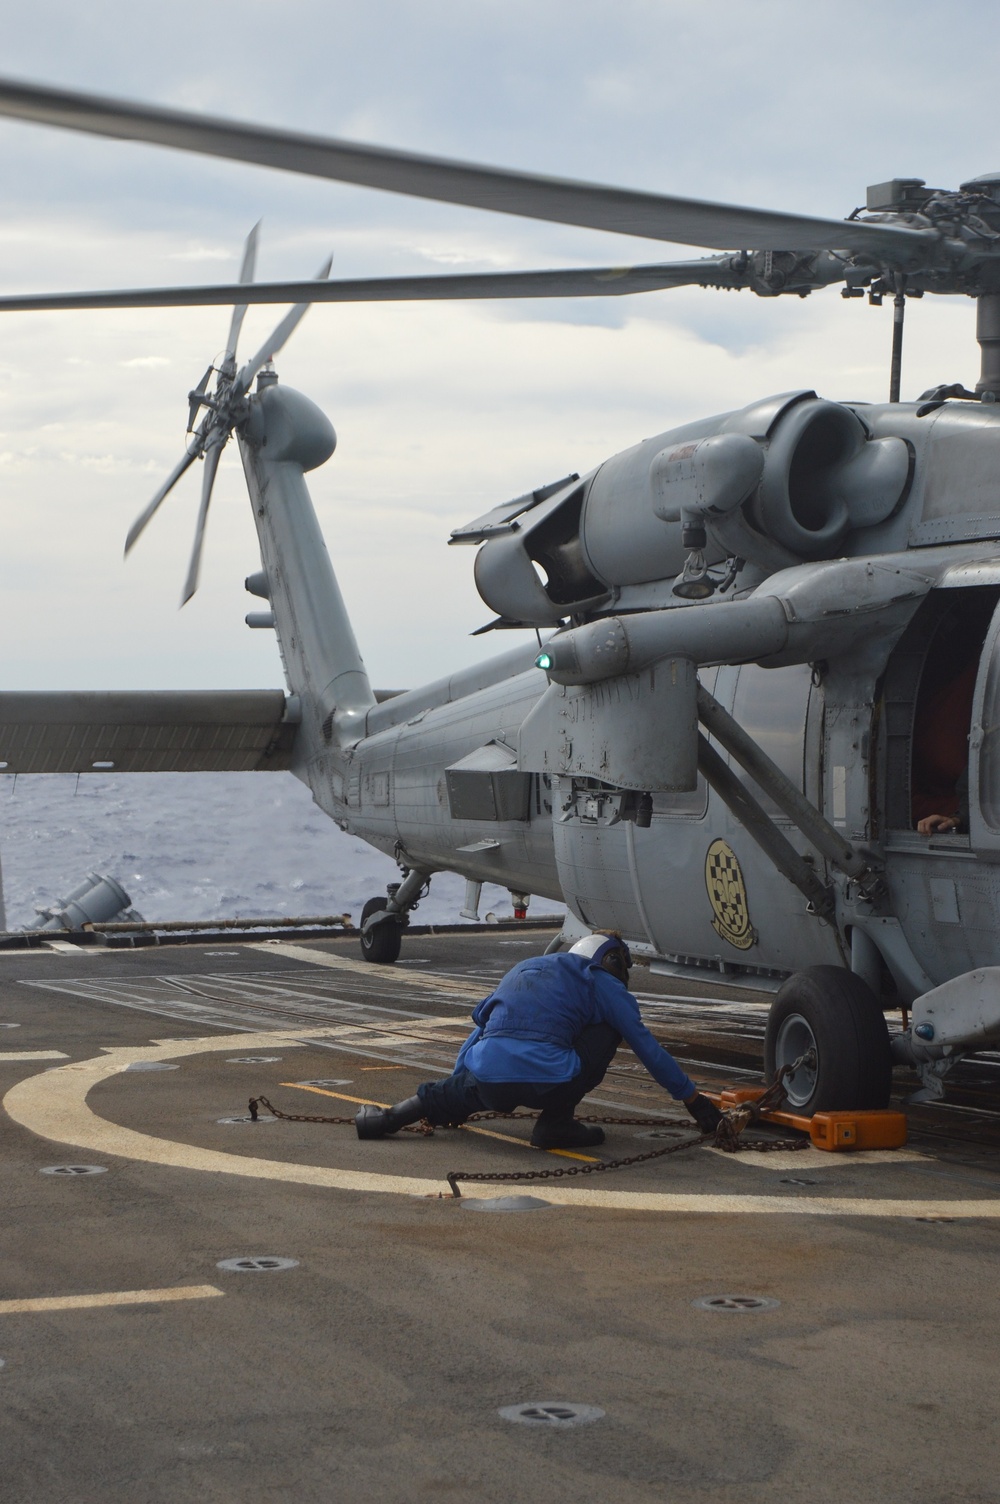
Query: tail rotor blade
x=247, y=268
x=193, y=403
x=144, y=517
x=281, y=334
x=212, y=456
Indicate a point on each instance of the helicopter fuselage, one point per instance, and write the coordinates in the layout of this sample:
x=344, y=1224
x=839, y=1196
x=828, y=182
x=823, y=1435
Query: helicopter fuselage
x=505, y=775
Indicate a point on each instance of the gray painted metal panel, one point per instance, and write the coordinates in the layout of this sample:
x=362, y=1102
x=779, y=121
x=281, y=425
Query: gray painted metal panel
x=651, y=883
x=286, y=435
x=419, y=753
x=948, y=905
x=486, y=785
x=771, y=704
x=413, y=702
x=146, y=731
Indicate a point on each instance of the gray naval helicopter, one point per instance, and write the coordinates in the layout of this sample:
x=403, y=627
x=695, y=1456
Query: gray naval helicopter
x=761, y=736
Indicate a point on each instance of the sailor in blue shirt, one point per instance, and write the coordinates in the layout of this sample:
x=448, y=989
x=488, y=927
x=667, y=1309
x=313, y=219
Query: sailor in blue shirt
x=543, y=1040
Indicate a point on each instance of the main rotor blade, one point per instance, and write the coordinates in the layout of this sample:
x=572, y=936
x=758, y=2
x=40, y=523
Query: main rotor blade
x=146, y=516
x=623, y=211
x=281, y=334
x=575, y=282
x=247, y=268
x=213, y=454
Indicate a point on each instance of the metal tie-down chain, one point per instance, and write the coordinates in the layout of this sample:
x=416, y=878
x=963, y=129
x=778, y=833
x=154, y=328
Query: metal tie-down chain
x=727, y=1135
x=312, y=1117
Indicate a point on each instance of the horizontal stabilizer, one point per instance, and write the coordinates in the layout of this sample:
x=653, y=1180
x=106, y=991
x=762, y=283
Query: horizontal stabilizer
x=146, y=731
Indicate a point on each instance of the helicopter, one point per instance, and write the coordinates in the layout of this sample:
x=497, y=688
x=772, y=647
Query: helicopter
x=760, y=737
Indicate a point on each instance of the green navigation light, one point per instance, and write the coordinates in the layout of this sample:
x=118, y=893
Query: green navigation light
x=544, y=660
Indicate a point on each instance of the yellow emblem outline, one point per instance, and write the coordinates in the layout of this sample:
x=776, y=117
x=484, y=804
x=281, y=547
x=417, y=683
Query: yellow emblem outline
x=727, y=893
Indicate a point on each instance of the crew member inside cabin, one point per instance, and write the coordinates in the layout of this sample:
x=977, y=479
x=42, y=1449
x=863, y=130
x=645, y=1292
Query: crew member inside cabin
x=942, y=722
x=941, y=751
x=543, y=1040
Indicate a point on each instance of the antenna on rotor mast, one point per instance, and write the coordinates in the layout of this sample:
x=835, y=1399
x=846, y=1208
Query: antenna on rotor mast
x=988, y=335
x=898, y=311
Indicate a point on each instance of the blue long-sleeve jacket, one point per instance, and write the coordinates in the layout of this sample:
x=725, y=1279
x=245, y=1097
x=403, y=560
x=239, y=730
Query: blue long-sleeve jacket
x=525, y=1029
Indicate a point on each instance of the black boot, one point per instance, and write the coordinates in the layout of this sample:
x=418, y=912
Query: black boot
x=562, y=1131
x=377, y=1122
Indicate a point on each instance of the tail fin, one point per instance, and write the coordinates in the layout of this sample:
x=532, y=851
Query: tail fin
x=285, y=436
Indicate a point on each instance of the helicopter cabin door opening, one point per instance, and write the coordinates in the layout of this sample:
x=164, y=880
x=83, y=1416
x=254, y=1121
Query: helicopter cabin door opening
x=929, y=689
x=939, y=679
x=984, y=751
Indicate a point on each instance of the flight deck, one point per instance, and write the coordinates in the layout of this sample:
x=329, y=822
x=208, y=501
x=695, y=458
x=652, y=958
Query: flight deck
x=197, y=1305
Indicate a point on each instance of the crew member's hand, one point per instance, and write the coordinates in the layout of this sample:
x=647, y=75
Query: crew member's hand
x=705, y=1113
x=933, y=824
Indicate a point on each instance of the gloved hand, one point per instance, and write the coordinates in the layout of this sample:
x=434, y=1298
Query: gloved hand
x=705, y=1113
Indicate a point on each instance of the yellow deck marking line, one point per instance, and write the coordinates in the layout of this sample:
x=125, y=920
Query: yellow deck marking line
x=53, y=1105
x=385, y=1068
x=508, y=1138
x=33, y=1055
x=110, y=1298
x=431, y=980
x=341, y=1096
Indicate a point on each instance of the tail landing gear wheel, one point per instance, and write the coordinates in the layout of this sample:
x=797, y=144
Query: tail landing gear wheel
x=836, y=1015
x=382, y=943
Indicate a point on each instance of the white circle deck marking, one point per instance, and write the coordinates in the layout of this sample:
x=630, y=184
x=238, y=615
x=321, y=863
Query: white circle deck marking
x=53, y=1105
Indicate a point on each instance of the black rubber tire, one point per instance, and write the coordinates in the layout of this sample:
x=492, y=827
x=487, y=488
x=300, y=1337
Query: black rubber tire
x=854, y=1065
x=381, y=944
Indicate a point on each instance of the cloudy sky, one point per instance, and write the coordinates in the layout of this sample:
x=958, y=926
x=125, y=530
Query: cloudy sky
x=441, y=411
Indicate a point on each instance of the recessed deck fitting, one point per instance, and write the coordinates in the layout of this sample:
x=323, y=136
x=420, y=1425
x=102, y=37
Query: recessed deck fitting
x=257, y=1264
x=734, y=1305
x=504, y=1204
x=74, y=1170
x=551, y=1413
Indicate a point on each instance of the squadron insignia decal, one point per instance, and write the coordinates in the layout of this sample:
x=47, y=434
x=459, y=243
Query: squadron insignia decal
x=728, y=896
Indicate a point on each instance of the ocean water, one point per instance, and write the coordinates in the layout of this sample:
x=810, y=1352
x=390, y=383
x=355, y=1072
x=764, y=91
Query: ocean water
x=199, y=846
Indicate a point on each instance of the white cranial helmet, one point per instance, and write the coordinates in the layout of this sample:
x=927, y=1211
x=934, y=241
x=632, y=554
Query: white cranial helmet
x=598, y=946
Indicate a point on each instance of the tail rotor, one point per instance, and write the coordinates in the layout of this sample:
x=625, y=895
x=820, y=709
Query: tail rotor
x=213, y=455
x=280, y=336
x=225, y=408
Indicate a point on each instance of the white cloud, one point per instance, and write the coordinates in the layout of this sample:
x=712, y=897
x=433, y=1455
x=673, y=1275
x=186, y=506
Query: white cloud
x=202, y=253
x=440, y=411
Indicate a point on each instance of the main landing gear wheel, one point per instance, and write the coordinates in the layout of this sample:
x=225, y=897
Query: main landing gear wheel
x=836, y=1015
x=382, y=943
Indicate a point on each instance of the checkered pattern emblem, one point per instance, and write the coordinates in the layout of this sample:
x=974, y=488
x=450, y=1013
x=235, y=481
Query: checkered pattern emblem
x=728, y=896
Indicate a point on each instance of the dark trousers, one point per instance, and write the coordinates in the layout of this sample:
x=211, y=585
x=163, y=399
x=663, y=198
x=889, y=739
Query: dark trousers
x=454, y=1100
